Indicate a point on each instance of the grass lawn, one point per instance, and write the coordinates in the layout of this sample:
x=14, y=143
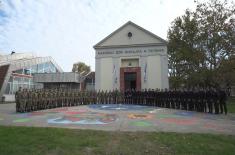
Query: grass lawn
x=231, y=105
x=53, y=141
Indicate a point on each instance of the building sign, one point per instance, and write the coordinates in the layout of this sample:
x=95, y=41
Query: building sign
x=122, y=52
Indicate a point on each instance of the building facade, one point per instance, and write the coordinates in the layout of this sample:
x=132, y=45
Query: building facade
x=17, y=70
x=131, y=58
x=88, y=82
x=65, y=80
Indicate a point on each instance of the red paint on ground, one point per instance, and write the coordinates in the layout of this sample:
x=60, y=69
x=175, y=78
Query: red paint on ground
x=74, y=112
x=73, y=119
x=179, y=121
x=37, y=113
x=213, y=126
x=58, y=110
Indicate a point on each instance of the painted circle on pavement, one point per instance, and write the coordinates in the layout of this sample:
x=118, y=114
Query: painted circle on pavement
x=139, y=116
x=85, y=118
x=123, y=107
x=21, y=120
x=185, y=113
x=141, y=123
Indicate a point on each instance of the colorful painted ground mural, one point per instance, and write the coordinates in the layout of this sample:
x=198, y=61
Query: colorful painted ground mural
x=122, y=118
x=122, y=107
x=139, y=116
x=141, y=123
x=85, y=118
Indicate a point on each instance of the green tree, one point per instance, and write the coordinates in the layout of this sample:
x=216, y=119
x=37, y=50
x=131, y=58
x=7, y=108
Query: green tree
x=81, y=67
x=217, y=26
x=199, y=42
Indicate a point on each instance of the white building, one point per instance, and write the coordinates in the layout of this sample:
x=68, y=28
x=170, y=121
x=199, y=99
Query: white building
x=131, y=58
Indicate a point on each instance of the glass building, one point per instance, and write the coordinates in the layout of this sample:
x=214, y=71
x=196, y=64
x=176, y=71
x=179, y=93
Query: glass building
x=18, y=69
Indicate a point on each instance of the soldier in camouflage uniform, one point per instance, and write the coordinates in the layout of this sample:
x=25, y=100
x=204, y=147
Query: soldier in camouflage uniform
x=72, y=98
x=29, y=101
x=168, y=96
x=189, y=97
x=18, y=98
x=50, y=98
x=176, y=99
x=222, y=101
x=94, y=95
x=209, y=100
x=126, y=96
x=195, y=100
x=164, y=98
x=87, y=97
x=44, y=99
x=34, y=100
x=69, y=98
x=90, y=97
x=79, y=97
x=204, y=100
x=47, y=99
x=109, y=97
x=39, y=99
x=216, y=101
x=76, y=97
x=84, y=98
x=98, y=97
x=105, y=97
x=24, y=101
x=54, y=98
x=59, y=95
x=113, y=97
x=119, y=97
x=65, y=97
x=156, y=98
x=101, y=97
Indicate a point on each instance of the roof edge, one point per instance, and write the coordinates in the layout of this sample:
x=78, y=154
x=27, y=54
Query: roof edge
x=129, y=22
x=133, y=45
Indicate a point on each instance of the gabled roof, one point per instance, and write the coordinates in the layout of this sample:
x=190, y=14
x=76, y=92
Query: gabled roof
x=99, y=44
x=90, y=75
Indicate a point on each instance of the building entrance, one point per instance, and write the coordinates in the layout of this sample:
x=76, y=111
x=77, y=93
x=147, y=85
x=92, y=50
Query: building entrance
x=130, y=80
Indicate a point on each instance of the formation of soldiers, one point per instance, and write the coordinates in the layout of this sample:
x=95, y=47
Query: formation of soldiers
x=203, y=100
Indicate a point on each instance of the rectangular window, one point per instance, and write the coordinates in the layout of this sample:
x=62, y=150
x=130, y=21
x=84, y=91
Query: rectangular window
x=130, y=62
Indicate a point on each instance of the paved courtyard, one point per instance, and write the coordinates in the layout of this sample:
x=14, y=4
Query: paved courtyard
x=120, y=118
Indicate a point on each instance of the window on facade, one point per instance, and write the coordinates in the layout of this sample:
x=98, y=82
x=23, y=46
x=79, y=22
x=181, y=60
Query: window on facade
x=132, y=62
x=27, y=71
x=15, y=82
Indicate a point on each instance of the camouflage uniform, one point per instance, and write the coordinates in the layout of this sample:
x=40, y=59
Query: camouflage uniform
x=24, y=101
x=18, y=98
x=222, y=100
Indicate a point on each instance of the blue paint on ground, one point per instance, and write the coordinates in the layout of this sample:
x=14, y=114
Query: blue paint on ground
x=124, y=107
x=63, y=121
x=185, y=113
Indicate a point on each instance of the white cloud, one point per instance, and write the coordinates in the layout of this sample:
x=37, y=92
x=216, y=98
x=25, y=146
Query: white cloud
x=68, y=29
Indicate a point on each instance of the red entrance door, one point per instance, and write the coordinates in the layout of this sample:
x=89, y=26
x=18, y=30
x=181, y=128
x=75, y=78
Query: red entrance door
x=130, y=77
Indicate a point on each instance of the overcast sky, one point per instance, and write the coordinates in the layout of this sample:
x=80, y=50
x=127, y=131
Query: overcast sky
x=68, y=29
